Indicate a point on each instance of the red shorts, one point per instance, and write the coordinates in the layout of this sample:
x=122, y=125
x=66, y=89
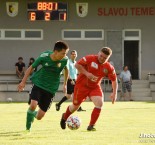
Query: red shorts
x=82, y=92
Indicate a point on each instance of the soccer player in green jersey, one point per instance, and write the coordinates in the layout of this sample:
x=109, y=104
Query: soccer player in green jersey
x=46, y=80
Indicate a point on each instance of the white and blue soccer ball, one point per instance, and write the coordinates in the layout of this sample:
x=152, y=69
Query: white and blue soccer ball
x=73, y=122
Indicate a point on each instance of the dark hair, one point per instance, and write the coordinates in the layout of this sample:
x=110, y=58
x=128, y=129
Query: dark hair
x=59, y=45
x=20, y=58
x=30, y=63
x=124, y=66
x=73, y=51
x=32, y=59
x=106, y=50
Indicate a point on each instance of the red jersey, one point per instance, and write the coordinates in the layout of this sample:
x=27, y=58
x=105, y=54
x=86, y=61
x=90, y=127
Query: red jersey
x=92, y=65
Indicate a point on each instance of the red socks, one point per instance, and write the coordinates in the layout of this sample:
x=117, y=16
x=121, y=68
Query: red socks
x=94, y=116
x=67, y=113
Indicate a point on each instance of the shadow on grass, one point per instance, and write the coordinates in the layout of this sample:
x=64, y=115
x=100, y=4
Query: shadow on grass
x=8, y=134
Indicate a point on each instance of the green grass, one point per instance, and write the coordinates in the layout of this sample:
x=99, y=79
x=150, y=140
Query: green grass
x=119, y=124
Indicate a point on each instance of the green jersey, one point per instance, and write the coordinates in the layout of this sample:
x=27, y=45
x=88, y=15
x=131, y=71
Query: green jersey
x=48, y=77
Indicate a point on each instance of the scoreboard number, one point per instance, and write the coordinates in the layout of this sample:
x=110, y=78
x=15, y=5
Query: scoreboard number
x=47, y=11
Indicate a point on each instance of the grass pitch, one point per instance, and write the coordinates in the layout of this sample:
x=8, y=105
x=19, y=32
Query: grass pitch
x=119, y=124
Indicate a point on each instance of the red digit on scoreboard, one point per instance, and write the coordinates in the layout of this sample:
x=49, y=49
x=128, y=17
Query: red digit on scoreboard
x=50, y=6
x=55, y=6
x=32, y=16
x=63, y=16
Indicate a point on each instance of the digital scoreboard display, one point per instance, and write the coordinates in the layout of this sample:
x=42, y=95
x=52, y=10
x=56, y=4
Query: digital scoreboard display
x=47, y=11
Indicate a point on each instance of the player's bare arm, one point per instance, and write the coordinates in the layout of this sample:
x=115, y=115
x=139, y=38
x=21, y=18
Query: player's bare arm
x=114, y=93
x=66, y=76
x=23, y=82
x=82, y=70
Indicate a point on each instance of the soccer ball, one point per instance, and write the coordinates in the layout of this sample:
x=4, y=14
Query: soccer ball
x=73, y=122
x=9, y=100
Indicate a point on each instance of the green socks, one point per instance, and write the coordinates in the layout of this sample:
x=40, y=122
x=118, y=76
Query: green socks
x=30, y=118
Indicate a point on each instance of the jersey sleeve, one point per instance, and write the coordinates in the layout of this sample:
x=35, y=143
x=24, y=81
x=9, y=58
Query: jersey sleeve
x=112, y=74
x=85, y=60
x=37, y=62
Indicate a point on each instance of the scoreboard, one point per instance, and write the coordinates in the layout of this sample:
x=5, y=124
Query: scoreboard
x=47, y=11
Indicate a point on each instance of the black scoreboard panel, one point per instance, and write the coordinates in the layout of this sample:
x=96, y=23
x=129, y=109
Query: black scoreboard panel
x=47, y=11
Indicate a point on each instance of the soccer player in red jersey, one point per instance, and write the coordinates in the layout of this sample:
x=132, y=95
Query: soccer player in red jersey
x=92, y=69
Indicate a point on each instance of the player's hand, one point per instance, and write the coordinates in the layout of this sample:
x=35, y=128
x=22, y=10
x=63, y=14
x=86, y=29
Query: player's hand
x=21, y=87
x=92, y=77
x=113, y=97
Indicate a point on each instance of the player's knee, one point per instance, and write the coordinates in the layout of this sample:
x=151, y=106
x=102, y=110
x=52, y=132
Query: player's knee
x=68, y=96
x=39, y=117
x=32, y=107
x=99, y=104
x=76, y=107
x=73, y=107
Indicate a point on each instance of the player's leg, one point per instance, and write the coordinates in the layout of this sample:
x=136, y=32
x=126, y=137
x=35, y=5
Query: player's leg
x=80, y=109
x=98, y=102
x=70, y=109
x=44, y=103
x=80, y=94
x=58, y=105
x=38, y=97
x=31, y=113
x=67, y=96
x=96, y=95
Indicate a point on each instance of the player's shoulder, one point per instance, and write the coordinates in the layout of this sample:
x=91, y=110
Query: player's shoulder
x=46, y=53
x=108, y=65
x=65, y=59
x=90, y=57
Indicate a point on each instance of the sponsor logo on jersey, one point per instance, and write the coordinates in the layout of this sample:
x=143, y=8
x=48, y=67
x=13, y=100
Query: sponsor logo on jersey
x=105, y=71
x=46, y=64
x=12, y=8
x=82, y=9
x=58, y=64
x=94, y=65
